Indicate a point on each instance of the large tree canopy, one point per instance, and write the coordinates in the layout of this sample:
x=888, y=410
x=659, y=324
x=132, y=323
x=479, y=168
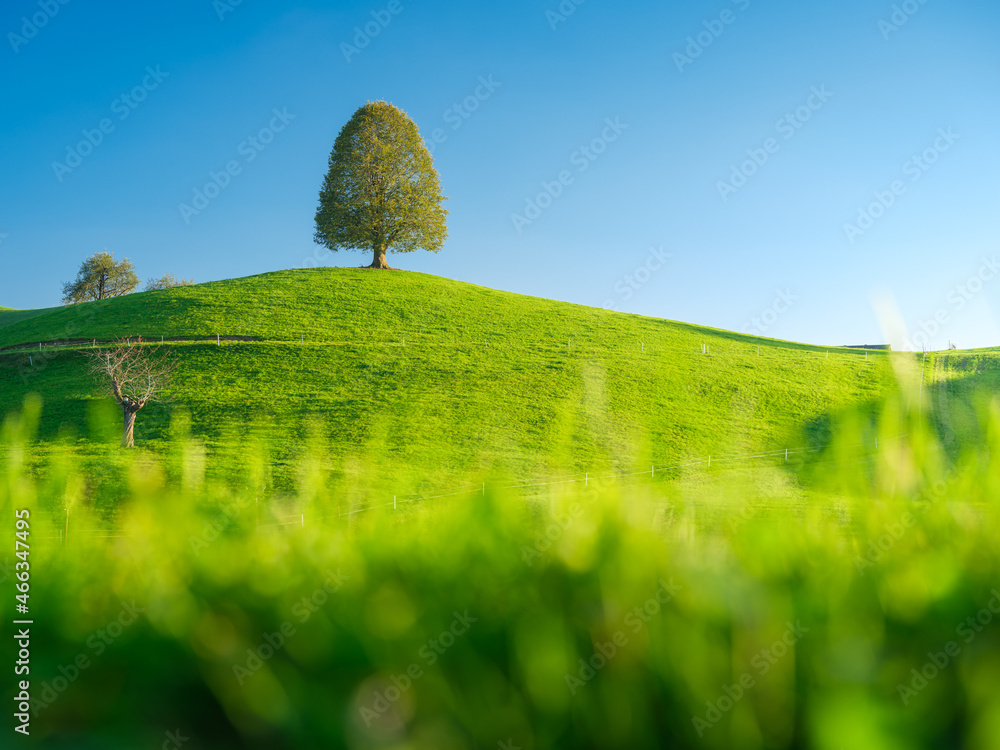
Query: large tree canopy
x=101, y=277
x=381, y=191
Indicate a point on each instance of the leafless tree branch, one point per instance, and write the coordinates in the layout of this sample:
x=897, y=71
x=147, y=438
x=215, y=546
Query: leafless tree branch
x=137, y=375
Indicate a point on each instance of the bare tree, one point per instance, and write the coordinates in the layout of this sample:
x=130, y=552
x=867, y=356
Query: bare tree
x=167, y=281
x=137, y=375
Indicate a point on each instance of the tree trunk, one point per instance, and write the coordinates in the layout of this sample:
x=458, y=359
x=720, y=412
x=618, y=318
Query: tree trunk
x=128, y=435
x=379, y=261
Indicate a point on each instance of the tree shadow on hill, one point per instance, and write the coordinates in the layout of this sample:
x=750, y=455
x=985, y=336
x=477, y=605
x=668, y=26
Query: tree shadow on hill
x=956, y=412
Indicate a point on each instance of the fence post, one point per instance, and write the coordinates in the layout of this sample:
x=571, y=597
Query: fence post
x=920, y=393
x=303, y=520
x=66, y=527
x=710, y=462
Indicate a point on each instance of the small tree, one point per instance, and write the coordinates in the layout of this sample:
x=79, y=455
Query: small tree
x=381, y=191
x=101, y=277
x=167, y=281
x=137, y=375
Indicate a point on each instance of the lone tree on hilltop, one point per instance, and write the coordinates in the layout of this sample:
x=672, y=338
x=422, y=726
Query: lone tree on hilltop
x=101, y=277
x=136, y=374
x=167, y=281
x=381, y=191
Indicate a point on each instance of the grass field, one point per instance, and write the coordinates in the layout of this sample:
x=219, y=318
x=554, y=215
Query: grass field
x=231, y=579
x=422, y=374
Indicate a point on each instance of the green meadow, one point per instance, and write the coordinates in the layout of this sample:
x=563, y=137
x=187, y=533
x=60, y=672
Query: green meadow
x=390, y=510
x=434, y=377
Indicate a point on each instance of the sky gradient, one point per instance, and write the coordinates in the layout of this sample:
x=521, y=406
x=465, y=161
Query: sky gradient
x=777, y=168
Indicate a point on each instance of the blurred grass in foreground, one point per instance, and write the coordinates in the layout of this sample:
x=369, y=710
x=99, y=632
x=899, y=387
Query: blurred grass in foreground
x=613, y=615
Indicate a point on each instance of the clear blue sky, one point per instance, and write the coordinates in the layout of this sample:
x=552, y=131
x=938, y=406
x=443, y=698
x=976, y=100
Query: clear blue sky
x=864, y=99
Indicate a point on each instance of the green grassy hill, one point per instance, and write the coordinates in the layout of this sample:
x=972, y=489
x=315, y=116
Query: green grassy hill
x=419, y=372
x=9, y=316
x=826, y=591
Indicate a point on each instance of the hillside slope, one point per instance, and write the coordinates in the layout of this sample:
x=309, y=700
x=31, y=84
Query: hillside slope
x=418, y=372
x=9, y=316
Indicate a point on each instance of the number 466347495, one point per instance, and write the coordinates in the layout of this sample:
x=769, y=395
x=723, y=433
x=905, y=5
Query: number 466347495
x=22, y=552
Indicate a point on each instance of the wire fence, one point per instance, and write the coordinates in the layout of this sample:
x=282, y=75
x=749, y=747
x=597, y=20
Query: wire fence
x=765, y=348
x=586, y=477
x=769, y=349
x=60, y=528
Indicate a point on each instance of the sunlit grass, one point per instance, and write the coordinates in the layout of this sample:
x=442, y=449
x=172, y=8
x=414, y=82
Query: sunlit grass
x=411, y=374
x=792, y=615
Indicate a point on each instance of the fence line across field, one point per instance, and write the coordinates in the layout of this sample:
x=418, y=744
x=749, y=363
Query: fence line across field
x=585, y=478
x=553, y=348
x=62, y=517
